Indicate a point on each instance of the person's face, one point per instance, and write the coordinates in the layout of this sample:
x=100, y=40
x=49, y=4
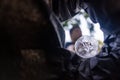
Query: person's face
x=76, y=33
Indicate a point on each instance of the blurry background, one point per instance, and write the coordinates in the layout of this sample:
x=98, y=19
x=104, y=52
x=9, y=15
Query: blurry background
x=86, y=26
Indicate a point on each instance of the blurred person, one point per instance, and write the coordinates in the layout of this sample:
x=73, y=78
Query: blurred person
x=29, y=42
x=75, y=33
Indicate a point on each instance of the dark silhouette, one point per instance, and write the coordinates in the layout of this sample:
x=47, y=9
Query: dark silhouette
x=32, y=41
x=28, y=41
